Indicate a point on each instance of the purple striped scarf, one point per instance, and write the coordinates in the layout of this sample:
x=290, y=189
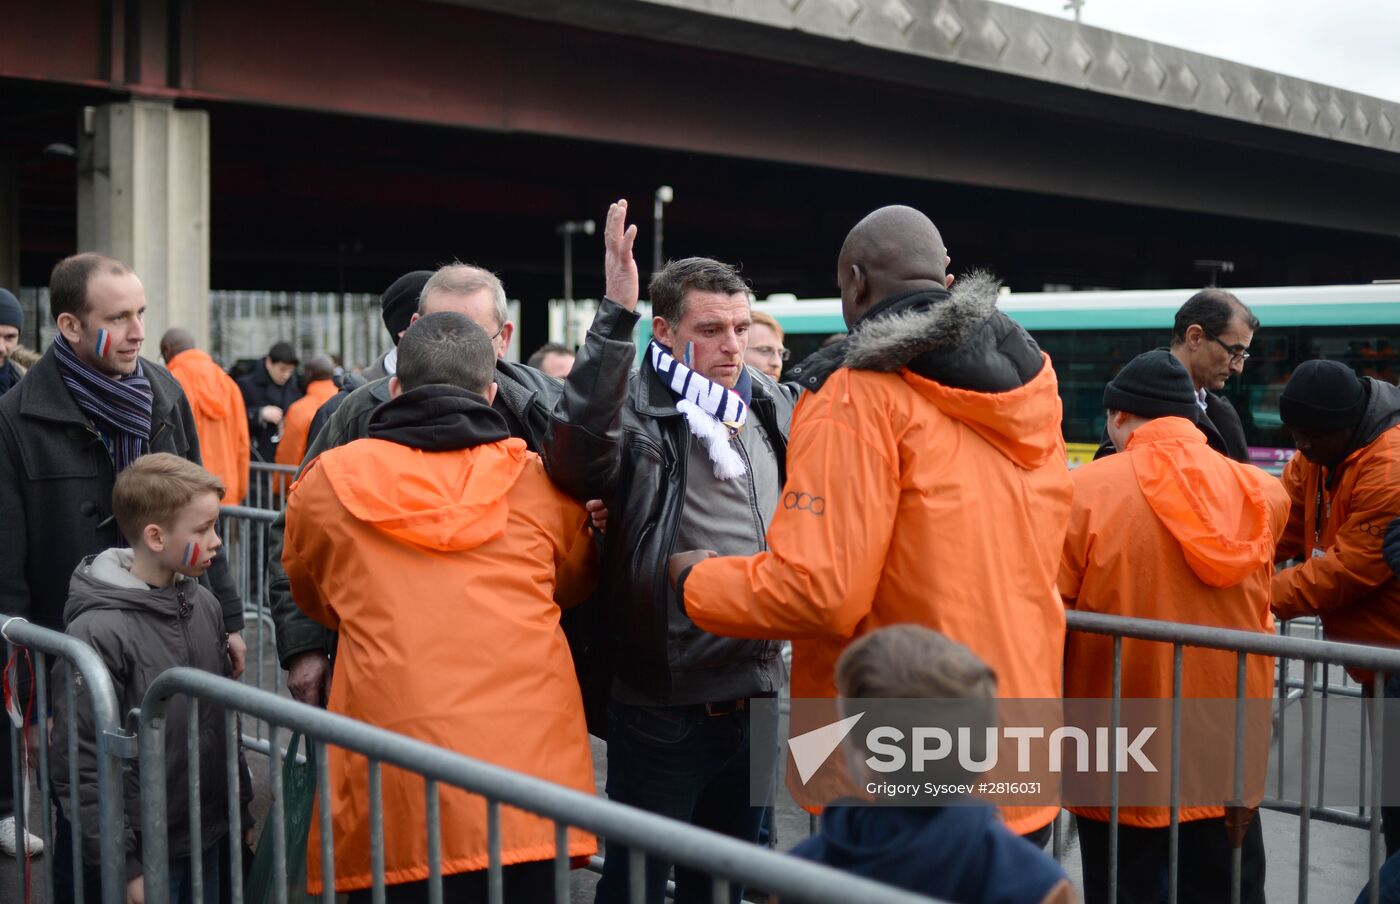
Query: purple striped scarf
x=120, y=408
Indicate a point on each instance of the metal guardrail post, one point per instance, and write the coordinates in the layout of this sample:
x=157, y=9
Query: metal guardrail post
x=645, y=833
x=110, y=737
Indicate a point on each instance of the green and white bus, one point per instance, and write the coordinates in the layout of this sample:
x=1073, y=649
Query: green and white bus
x=1089, y=335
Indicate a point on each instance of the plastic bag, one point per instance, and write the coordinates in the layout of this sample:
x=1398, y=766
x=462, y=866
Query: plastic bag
x=299, y=794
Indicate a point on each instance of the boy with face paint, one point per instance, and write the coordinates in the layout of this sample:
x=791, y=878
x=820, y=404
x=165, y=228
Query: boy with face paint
x=144, y=611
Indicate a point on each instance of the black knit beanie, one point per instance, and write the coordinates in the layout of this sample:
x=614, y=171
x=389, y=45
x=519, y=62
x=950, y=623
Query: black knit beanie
x=400, y=301
x=10, y=314
x=1154, y=384
x=1323, y=395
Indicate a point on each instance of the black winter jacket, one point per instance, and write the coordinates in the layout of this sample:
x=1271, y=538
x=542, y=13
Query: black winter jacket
x=56, y=480
x=641, y=476
x=139, y=632
x=259, y=390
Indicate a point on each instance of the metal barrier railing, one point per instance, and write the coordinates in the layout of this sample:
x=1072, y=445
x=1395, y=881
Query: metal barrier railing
x=112, y=744
x=267, y=485
x=244, y=531
x=1310, y=653
x=724, y=859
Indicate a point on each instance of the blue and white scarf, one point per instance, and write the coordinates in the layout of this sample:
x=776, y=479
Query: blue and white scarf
x=713, y=412
x=120, y=409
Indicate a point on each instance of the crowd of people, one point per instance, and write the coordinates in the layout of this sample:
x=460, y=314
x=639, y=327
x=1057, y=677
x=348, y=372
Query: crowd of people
x=500, y=558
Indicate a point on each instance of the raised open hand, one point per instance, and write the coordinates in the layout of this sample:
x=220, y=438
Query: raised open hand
x=619, y=267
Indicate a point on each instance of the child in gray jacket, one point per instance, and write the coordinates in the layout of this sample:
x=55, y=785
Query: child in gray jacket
x=143, y=610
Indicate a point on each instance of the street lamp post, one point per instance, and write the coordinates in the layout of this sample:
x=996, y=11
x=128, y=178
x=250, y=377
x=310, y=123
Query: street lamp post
x=664, y=196
x=567, y=230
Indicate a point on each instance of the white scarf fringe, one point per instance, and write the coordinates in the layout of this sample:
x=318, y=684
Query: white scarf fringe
x=729, y=464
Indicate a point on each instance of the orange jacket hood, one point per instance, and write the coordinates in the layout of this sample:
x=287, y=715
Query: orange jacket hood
x=1022, y=424
x=203, y=382
x=971, y=360
x=447, y=501
x=1186, y=487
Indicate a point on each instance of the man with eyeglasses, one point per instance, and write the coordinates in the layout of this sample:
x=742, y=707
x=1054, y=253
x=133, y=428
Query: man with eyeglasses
x=1211, y=339
x=765, y=350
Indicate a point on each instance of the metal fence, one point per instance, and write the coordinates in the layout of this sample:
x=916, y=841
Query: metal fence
x=245, y=532
x=112, y=745
x=267, y=485
x=724, y=859
x=1309, y=654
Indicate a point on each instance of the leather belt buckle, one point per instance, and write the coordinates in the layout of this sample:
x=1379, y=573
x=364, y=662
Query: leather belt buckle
x=726, y=707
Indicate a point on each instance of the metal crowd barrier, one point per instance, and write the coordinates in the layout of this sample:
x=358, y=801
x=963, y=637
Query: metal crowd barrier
x=112, y=745
x=725, y=860
x=1310, y=653
x=245, y=532
x=267, y=485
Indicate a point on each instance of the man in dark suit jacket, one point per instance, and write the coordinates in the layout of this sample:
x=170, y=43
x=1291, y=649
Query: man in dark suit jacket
x=1211, y=339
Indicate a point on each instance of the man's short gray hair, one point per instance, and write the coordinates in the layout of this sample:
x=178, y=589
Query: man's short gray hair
x=458, y=278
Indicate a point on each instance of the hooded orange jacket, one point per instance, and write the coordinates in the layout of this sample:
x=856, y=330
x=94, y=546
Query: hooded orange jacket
x=220, y=420
x=1170, y=530
x=444, y=573
x=296, y=424
x=910, y=501
x=1344, y=577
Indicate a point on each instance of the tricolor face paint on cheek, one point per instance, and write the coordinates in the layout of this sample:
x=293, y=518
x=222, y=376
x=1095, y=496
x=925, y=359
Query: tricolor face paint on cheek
x=191, y=555
x=104, y=343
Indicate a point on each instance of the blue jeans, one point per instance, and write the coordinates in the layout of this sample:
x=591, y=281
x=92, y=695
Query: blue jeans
x=680, y=762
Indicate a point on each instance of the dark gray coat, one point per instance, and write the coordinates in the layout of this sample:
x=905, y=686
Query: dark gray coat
x=139, y=633
x=56, y=480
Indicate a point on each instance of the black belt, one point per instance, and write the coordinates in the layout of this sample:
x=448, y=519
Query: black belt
x=727, y=707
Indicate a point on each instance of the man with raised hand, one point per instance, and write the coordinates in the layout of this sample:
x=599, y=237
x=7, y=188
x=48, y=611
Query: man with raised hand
x=696, y=457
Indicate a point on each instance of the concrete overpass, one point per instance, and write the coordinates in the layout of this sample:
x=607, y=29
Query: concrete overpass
x=335, y=144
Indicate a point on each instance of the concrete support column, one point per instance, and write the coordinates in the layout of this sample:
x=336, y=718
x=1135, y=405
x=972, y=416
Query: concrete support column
x=9, y=221
x=143, y=198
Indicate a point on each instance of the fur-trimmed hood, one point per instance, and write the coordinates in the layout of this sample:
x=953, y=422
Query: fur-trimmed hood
x=957, y=337
x=971, y=360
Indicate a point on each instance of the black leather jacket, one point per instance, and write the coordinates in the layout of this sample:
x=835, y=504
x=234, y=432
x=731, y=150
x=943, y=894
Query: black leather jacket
x=655, y=647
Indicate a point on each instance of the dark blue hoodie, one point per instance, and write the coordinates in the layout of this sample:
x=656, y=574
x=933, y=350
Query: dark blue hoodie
x=958, y=854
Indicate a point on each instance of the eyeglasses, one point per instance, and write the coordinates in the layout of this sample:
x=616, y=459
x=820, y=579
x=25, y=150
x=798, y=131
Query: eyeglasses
x=1238, y=353
x=768, y=351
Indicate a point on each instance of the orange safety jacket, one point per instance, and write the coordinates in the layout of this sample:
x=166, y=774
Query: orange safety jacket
x=908, y=500
x=444, y=573
x=1170, y=530
x=220, y=420
x=296, y=423
x=1338, y=527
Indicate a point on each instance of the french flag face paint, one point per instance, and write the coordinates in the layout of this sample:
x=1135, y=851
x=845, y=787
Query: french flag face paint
x=191, y=555
x=104, y=343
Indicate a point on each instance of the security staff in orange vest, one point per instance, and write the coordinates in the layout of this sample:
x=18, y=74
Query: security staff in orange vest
x=926, y=483
x=1345, y=484
x=439, y=550
x=219, y=417
x=296, y=423
x=1168, y=529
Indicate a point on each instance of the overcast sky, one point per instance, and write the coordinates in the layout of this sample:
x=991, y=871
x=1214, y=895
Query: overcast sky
x=1352, y=44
